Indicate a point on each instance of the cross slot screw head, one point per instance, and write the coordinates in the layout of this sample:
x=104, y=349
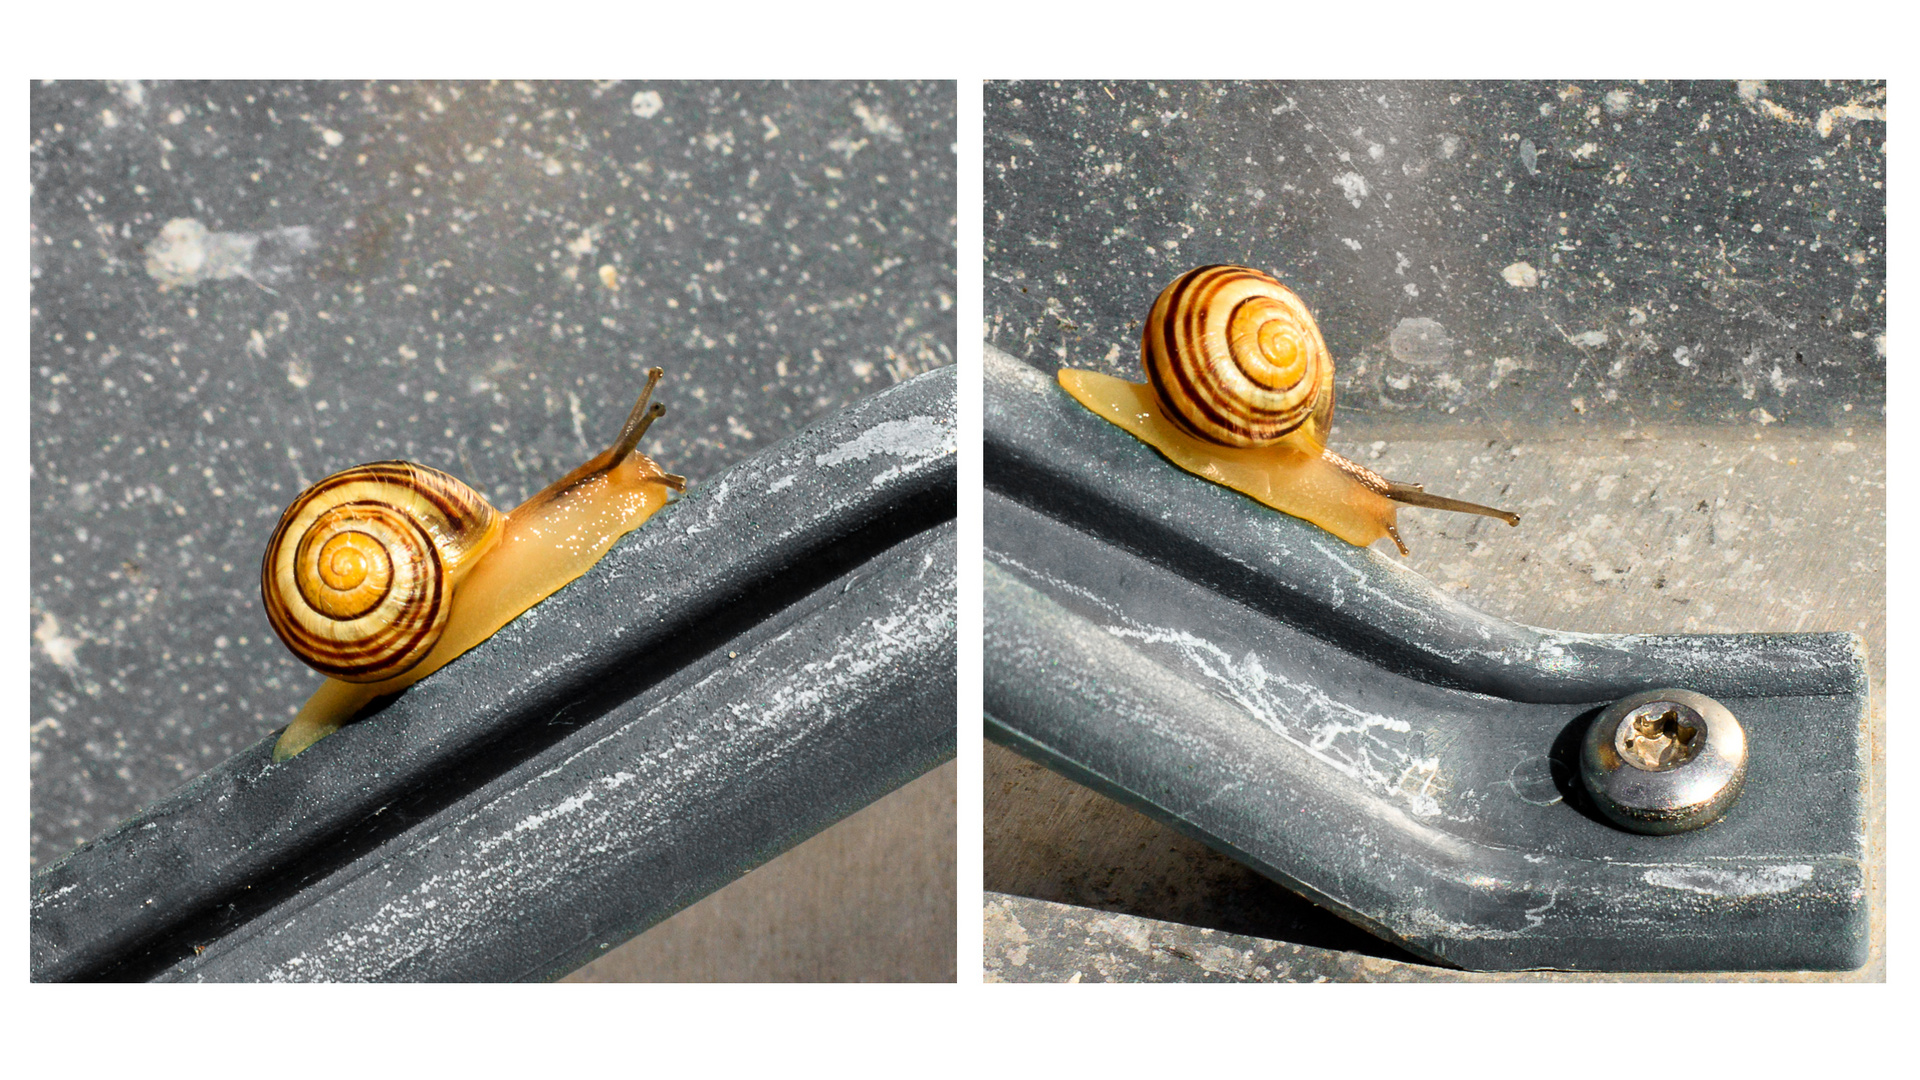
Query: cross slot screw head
x=1660, y=735
x=1664, y=761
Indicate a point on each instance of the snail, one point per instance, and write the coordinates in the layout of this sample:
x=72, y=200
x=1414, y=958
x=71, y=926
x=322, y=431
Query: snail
x=1240, y=391
x=379, y=575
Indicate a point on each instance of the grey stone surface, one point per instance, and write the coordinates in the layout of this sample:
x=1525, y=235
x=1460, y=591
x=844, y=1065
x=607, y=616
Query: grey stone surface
x=1479, y=254
x=473, y=276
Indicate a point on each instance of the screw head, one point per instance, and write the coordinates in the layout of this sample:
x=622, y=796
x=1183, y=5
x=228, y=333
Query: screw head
x=1664, y=761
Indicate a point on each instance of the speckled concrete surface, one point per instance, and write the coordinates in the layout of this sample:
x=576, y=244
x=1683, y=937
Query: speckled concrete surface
x=1650, y=318
x=241, y=287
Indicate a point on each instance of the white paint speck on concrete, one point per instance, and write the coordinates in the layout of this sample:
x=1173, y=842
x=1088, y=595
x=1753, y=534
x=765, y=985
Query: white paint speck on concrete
x=1354, y=186
x=58, y=647
x=187, y=253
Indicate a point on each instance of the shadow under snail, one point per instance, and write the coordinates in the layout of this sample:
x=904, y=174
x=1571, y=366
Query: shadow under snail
x=379, y=575
x=1239, y=391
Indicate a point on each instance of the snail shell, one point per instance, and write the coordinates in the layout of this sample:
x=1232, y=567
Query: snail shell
x=1236, y=358
x=358, y=579
x=380, y=575
x=1239, y=390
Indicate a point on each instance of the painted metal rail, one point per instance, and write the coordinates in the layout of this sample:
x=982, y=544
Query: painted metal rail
x=1334, y=721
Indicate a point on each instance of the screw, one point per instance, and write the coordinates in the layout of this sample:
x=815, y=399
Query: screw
x=1664, y=761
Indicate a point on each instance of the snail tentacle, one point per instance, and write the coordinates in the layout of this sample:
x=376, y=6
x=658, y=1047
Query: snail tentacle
x=639, y=420
x=1414, y=494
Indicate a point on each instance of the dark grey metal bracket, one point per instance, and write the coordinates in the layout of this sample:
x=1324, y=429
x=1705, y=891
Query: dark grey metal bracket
x=767, y=655
x=1328, y=717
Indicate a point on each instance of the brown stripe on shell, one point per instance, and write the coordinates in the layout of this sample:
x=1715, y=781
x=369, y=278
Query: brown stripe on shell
x=1190, y=309
x=1160, y=369
x=1201, y=409
x=388, y=636
x=1204, y=344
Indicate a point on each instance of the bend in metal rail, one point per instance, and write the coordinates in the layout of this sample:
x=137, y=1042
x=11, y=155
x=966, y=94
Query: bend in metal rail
x=1332, y=720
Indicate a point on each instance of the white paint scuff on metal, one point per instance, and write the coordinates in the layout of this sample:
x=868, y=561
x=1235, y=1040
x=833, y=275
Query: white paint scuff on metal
x=918, y=439
x=1708, y=881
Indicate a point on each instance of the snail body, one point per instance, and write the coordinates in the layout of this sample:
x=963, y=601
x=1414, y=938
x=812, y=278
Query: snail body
x=381, y=574
x=1239, y=391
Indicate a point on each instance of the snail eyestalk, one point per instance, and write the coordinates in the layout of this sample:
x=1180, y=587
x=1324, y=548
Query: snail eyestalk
x=640, y=419
x=1413, y=495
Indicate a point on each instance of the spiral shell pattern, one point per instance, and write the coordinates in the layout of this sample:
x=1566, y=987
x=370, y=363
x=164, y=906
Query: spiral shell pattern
x=358, y=577
x=1236, y=359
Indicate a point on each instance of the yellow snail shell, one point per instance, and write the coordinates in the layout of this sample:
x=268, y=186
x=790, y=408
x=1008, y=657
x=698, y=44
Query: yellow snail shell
x=358, y=579
x=1240, y=391
x=380, y=575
